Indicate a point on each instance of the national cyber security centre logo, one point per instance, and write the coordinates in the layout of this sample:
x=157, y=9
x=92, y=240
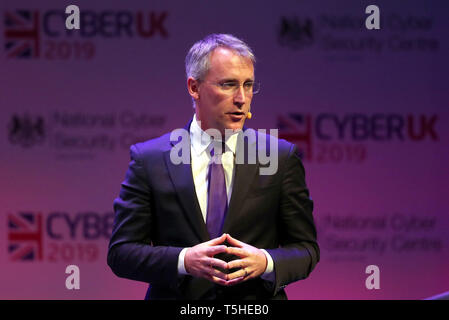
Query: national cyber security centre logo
x=83, y=135
x=33, y=34
x=346, y=33
x=57, y=236
x=26, y=130
x=344, y=138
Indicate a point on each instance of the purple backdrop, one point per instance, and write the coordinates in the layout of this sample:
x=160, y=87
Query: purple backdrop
x=368, y=108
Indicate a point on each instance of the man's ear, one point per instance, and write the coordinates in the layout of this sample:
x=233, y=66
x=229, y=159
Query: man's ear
x=193, y=87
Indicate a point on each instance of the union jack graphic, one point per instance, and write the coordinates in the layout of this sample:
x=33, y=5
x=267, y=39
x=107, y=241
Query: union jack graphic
x=22, y=34
x=25, y=236
x=297, y=128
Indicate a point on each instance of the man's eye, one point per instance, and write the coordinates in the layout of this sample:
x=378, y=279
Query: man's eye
x=248, y=85
x=229, y=85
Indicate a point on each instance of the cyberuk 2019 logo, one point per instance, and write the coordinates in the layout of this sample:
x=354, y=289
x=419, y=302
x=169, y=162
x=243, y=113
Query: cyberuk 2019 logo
x=57, y=236
x=338, y=138
x=32, y=34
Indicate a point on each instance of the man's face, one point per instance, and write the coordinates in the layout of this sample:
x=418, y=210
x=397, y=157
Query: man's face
x=221, y=109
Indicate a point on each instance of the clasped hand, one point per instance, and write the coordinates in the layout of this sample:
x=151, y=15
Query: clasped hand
x=199, y=261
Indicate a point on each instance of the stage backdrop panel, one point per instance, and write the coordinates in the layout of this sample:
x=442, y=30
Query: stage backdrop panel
x=368, y=109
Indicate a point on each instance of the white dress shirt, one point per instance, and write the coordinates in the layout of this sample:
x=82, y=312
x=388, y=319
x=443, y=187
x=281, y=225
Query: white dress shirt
x=200, y=159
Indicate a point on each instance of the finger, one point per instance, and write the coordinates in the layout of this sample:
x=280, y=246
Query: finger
x=212, y=251
x=216, y=273
x=218, y=240
x=234, y=242
x=238, y=263
x=213, y=262
x=242, y=253
x=241, y=273
x=235, y=281
x=217, y=280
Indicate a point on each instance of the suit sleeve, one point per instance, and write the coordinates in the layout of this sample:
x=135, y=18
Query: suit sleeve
x=298, y=252
x=131, y=254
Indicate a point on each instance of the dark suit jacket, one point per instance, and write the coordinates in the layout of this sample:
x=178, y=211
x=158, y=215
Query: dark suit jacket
x=157, y=215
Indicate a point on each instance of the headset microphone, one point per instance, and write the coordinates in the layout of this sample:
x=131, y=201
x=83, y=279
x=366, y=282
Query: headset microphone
x=249, y=115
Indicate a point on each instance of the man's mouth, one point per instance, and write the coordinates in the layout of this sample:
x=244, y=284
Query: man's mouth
x=236, y=116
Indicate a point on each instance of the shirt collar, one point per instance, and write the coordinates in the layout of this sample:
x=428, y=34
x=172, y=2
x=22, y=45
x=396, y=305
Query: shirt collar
x=200, y=139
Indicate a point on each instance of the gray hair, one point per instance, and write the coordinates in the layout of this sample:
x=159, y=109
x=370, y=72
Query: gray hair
x=197, y=60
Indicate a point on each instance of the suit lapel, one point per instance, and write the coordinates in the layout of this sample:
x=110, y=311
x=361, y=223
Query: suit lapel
x=182, y=179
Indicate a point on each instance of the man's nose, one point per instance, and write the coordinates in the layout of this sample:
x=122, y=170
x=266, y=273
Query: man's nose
x=239, y=96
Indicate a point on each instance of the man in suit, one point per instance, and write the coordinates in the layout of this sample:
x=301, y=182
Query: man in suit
x=212, y=227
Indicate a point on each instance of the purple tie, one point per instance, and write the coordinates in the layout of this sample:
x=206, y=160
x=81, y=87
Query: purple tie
x=217, y=203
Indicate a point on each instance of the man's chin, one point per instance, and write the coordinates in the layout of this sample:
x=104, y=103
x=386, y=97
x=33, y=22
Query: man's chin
x=230, y=127
x=235, y=127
